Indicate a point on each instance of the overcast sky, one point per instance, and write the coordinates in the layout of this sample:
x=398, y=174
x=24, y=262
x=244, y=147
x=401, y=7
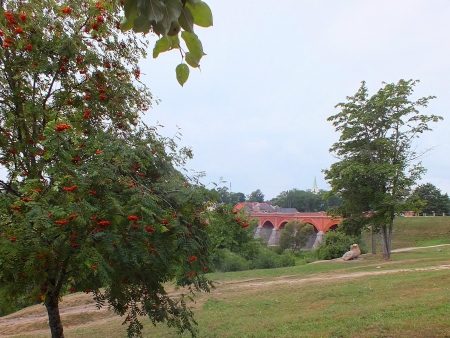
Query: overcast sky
x=256, y=115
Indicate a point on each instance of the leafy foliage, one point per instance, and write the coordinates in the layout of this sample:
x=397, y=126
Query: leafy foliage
x=92, y=201
x=227, y=197
x=234, y=245
x=434, y=200
x=337, y=243
x=170, y=19
x=232, y=230
x=256, y=196
x=306, y=201
x=295, y=235
x=377, y=164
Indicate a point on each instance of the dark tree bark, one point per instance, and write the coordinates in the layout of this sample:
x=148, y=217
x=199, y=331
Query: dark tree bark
x=385, y=241
x=54, y=319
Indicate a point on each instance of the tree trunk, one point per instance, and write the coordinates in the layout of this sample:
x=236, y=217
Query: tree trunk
x=385, y=242
x=54, y=319
x=374, y=243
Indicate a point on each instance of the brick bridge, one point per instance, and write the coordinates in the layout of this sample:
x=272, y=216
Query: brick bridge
x=270, y=224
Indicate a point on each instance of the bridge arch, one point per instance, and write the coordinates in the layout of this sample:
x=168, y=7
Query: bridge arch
x=270, y=223
x=282, y=224
x=332, y=225
x=266, y=230
x=310, y=221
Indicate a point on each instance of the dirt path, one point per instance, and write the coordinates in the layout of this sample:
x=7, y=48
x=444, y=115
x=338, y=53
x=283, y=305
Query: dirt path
x=418, y=247
x=33, y=320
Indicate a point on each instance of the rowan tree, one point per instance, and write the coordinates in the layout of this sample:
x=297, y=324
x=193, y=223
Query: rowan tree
x=378, y=163
x=92, y=200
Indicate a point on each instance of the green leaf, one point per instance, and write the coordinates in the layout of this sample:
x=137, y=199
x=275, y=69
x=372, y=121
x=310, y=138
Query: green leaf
x=131, y=11
x=192, y=2
x=202, y=14
x=191, y=60
x=174, y=41
x=162, y=45
x=141, y=25
x=155, y=9
x=158, y=28
x=174, y=28
x=174, y=9
x=186, y=20
x=193, y=44
x=182, y=72
x=126, y=24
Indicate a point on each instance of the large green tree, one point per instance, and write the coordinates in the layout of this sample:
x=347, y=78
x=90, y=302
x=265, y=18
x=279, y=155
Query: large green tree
x=227, y=197
x=91, y=201
x=434, y=200
x=256, y=196
x=377, y=161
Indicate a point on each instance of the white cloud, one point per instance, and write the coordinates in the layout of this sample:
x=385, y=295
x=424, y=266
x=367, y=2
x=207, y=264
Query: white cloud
x=256, y=113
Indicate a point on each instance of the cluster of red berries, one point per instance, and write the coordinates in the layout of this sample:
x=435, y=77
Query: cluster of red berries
x=66, y=10
x=242, y=223
x=18, y=30
x=62, y=126
x=72, y=188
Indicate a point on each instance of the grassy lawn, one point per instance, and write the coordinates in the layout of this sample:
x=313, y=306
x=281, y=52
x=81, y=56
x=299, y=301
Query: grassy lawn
x=417, y=231
x=407, y=296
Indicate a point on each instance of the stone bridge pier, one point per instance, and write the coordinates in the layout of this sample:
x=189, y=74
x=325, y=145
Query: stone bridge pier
x=270, y=225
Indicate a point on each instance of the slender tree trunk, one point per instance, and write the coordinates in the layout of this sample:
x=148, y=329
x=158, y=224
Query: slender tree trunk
x=389, y=241
x=54, y=319
x=385, y=245
x=374, y=242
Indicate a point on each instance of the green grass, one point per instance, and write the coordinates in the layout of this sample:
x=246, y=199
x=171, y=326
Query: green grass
x=407, y=296
x=417, y=231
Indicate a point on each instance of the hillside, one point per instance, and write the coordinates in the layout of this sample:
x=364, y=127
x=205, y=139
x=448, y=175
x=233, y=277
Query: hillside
x=417, y=231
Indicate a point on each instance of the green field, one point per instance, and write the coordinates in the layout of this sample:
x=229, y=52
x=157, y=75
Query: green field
x=417, y=231
x=407, y=296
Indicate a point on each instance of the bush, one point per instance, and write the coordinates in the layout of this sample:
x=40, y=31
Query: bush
x=336, y=243
x=269, y=259
x=229, y=261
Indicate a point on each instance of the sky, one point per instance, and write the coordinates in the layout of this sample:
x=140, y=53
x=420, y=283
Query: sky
x=256, y=114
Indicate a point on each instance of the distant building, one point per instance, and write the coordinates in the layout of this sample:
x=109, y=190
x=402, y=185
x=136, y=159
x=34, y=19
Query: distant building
x=315, y=189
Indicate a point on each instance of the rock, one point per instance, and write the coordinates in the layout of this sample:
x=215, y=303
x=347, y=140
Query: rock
x=353, y=253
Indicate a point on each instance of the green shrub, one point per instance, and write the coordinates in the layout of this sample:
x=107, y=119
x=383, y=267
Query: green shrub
x=229, y=261
x=336, y=243
x=268, y=259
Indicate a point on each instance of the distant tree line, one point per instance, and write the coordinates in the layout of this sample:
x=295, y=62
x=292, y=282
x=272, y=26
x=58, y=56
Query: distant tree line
x=302, y=200
x=426, y=197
